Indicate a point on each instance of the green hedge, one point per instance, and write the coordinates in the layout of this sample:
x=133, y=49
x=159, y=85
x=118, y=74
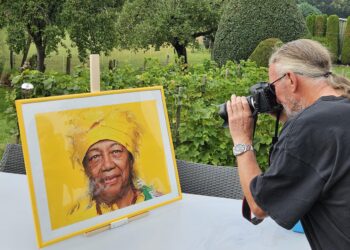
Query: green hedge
x=310, y=23
x=345, y=53
x=320, y=25
x=332, y=35
x=196, y=91
x=245, y=23
x=263, y=51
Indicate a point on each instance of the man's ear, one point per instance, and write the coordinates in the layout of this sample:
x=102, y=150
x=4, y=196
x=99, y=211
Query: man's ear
x=293, y=84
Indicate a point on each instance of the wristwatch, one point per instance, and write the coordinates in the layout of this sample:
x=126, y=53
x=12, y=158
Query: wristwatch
x=239, y=149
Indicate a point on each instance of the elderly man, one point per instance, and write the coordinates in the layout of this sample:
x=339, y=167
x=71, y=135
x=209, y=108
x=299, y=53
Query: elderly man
x=106, y=145
x=309, y=175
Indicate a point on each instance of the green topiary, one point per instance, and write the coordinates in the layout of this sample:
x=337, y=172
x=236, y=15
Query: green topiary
x=263, y=51
x=245, y=23
x=308, y=9
x=320, y=25
x=332, y=35
x=345, y=53
x=310, y=23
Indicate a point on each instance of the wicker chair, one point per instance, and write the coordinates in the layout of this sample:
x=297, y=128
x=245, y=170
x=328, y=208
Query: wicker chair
x=203, y=179
x=12, y=160
x=195, y=178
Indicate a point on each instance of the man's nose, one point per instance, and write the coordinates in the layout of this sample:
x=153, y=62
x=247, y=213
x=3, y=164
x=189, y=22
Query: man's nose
x=108, y=163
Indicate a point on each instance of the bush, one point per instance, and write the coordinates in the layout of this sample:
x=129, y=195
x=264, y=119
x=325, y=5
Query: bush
x=332, y=35
x=192, y=95
x=345, y=53
x=310, y=23
x=320, y=25
x=263, y=51
x=308, y=9
x=245, y=23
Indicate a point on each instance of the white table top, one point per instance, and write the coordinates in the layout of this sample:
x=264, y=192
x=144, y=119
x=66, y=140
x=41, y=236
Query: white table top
x=193, y=223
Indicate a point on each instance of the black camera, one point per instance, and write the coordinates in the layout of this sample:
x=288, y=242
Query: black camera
x=261, y=100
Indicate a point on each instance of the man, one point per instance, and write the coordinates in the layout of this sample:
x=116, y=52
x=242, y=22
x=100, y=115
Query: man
x=309, y=174
x=106, y=144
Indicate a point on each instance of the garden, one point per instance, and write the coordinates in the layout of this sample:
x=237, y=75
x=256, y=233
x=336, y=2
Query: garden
x=200, y=53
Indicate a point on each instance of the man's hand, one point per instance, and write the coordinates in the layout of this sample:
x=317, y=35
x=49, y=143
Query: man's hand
x=240, y=120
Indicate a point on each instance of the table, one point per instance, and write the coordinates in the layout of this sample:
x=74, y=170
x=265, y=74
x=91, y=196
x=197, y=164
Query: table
x=194, y=223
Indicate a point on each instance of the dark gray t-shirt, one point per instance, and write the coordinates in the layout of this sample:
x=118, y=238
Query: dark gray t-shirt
x=309, y=176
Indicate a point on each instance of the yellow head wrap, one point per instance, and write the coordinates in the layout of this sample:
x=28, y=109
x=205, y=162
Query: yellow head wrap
x=96, y=124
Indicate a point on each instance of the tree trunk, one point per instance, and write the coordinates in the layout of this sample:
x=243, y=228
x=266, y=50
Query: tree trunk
x=68, y=64
x=180, y=49
x=25, y=51
x=11, y=60
x=41, y=56
x=40, y=48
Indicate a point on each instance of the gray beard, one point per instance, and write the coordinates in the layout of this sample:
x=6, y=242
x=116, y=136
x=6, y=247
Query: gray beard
x=293, y=108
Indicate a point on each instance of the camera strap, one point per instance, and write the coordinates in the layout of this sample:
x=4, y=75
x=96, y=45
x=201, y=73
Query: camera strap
x=246, y=212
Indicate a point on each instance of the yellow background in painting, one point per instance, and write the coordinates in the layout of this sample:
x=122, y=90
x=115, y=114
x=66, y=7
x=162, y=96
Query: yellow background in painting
x=66, y=184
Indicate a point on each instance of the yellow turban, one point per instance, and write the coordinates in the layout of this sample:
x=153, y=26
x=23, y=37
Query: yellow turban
x=96, y=124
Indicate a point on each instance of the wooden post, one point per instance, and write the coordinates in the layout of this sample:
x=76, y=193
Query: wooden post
x=94, y=73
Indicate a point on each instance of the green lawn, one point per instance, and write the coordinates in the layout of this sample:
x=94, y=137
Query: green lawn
x=57, y=61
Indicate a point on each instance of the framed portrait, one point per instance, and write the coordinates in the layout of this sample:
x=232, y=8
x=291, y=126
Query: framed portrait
x=95, y=159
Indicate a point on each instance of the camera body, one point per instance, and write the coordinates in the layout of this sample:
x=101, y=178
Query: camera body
x=261, y=100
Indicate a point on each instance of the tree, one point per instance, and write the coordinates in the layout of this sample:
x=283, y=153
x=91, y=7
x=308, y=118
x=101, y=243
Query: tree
x=91, y=25
x=345, y=52
x=146, y=23
x=41, y=21
x=332, y=36
x=245, y=23
x=264, y=50
x=340, y=8
x=307, y=9
x=19, y=41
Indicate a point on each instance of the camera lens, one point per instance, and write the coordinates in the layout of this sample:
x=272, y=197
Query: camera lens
x=223, y=114
x=223, y=111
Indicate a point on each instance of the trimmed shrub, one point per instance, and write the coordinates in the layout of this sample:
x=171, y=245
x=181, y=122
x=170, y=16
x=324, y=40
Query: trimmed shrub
x=2, y=53
x=245, y=23
x=263, y=51
x=310, y=23
x=308, y=9
x=320, y=25
x=345, y=53
x=332, y=35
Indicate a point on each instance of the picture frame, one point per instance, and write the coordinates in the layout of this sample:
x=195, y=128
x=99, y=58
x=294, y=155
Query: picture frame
x=95, y=159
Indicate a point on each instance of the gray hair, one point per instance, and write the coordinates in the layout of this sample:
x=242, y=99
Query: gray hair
x=309, y=58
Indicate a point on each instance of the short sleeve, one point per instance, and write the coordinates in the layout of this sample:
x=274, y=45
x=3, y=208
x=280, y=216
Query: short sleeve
x=287, y=190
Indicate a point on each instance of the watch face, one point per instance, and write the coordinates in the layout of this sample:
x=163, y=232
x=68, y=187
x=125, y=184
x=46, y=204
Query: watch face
x=238, y=149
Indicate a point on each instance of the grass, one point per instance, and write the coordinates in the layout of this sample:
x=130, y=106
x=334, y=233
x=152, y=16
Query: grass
x=56, y=61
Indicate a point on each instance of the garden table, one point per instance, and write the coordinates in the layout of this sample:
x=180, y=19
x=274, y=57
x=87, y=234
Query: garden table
x=196, y=222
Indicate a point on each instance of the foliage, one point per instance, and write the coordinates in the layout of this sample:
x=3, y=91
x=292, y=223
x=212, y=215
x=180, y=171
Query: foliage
x=2, y=55
x=5, y=132
x=91, y=25
x=340, y=8
x=308, y=9
x=332, y=35
x=310, y=23
x=245, y=23
x=320, y=25
x=263, y=51
x=345, y=53
x=39, y=19
x=144, y=23
x=192, y=94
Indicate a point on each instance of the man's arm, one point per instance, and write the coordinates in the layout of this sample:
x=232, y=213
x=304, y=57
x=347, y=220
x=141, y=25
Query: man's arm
x=248, y=169
x=241, y=129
